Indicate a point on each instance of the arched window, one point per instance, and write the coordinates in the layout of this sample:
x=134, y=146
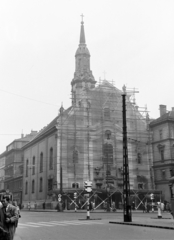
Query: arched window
x=41, y=162
x=27, y=168
x=51, y=159
x=26, y=187
x=108, y=153
x=33, y=185
x=108, y=134
x=33, y=166
x=75, y=185
x=40, y=185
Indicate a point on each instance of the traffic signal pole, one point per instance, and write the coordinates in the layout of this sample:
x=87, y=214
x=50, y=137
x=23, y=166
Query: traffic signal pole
x=88, y=210
x=126, y=184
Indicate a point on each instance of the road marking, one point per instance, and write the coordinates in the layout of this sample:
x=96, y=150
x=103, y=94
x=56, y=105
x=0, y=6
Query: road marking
x=42, y=224
x=54, y=223
x=58, y=223
x=78, y=222
x=28, y=225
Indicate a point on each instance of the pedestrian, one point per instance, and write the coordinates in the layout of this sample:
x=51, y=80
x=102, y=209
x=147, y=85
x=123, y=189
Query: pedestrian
x=18, y=211
x=162, y=206
x=148, y=207
x=29, y=206
x=11, y=216
x=35, y=205
x=144, y=207
x=4, y=234
x=133, y=205
x=113, y=207
x=167, y=207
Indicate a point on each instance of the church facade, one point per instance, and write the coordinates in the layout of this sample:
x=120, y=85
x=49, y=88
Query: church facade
x=85, y=141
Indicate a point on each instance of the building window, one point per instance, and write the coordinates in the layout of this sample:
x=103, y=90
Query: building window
x=41, y=162
x=108, y=134
x=106, y=113
x=107, y=153
x=161, y=151
x=75, y=185
x=33, y=166
x=162, y=154
x=51, y=159
x=40, y=185
x=50, y=184
x=33, y=185
x=163, y=174
x=139, y=158
x=160, y=134
x=26, y=188
x=26, y=168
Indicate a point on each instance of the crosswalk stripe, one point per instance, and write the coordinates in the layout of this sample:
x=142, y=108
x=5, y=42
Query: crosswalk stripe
x=79, y=222
x=58, y=223
x=61, y=224
x=28, y=225
x=42, y=224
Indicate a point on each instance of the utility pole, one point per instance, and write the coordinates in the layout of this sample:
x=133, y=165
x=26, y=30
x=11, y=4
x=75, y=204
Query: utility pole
x=126, y=184
x=61, y=180
x=107, y=174
x=88, y=139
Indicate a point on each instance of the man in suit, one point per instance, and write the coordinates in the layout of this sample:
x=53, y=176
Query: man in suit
x=11, y=216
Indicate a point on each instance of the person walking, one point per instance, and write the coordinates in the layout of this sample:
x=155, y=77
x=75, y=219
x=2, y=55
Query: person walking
x=4, y=234
x=29, y=206
x=11, y=216
x=18, y=211
x=35, y=205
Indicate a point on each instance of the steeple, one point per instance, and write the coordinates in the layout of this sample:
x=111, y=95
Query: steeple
x=82, y=32
x=83, y=77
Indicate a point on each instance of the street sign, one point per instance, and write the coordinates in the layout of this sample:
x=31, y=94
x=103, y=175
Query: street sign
x=59, y=199
x=59, y=195
x=151, y=196
x=88, y=186
x=75, y=195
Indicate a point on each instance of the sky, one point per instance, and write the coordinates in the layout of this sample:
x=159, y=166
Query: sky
x=131, y=42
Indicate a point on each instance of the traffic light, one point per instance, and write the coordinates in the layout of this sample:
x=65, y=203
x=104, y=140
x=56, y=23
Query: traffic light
x=88, y=186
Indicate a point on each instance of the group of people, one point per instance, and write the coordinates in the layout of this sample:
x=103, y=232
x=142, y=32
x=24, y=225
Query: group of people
x=9, y=215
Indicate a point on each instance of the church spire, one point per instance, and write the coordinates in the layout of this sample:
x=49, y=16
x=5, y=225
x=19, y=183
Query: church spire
x=83, y=77
x=82, y=32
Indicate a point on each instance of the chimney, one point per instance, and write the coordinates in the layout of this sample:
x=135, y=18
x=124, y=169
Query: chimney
x=162, y=110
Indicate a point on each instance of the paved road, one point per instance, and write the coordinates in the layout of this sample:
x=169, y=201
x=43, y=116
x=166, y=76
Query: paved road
x=67, y=226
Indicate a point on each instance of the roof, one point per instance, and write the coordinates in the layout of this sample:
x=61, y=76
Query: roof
x=169, y=116
x=52, y=124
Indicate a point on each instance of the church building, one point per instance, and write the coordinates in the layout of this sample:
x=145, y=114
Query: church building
x=85, y=141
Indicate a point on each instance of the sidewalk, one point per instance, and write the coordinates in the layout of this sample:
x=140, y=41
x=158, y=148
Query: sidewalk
x=166, y=222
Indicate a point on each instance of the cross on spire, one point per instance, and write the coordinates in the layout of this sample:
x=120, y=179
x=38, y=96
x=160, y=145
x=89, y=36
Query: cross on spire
x=82, y=16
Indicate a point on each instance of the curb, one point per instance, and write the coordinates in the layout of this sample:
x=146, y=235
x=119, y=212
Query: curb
x=90, y=219
x=142, y=225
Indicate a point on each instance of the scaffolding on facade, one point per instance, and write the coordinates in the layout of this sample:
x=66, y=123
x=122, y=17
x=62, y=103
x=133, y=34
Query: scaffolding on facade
x=91, y=114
